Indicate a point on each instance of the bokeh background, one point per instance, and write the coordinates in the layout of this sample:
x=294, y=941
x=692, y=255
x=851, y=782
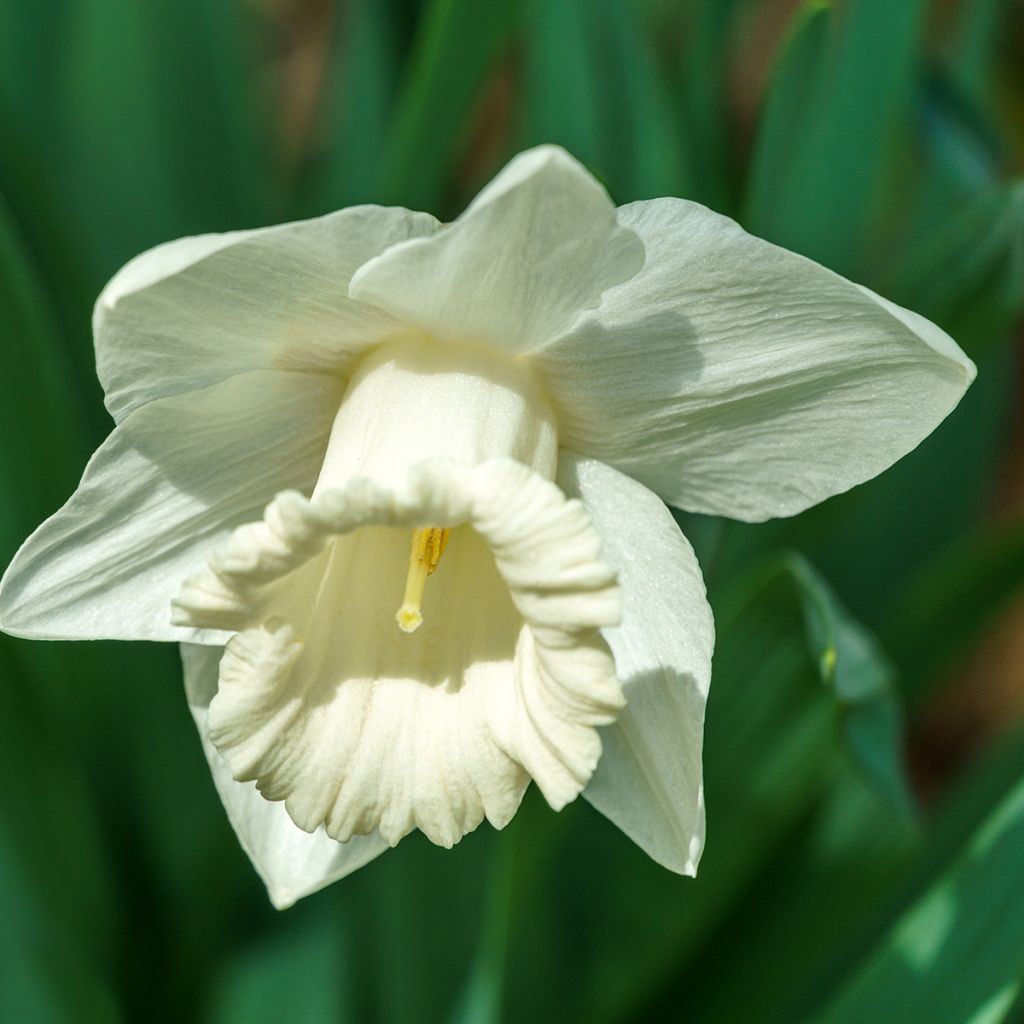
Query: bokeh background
x=865, y=855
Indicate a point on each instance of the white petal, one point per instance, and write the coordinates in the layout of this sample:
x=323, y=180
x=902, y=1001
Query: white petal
x=192, y=312
x=330, y=707
x=537, y=245
x=169, y=483
x=292, y=863
x=736, y=378
x=649, y=778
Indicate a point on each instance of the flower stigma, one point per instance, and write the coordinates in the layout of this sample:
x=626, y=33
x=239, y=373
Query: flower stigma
x=428, y=545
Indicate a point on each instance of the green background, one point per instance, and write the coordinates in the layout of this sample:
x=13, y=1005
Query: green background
x=865, y=855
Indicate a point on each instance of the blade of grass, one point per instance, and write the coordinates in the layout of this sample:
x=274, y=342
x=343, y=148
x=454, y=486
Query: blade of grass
x=38, y=467
x=829, y=181
x=704, y=88
x=953, y=599
x=359, y=97
x=958, y=954
x=595, y=87
x=563, y=103
x=457, y=46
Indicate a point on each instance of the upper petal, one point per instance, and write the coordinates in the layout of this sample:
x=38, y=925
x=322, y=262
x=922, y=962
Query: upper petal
x=169, y=483
x=736, y=378
x=192, y=312
x=540, y=243
x=649, y=779
x=292, y=863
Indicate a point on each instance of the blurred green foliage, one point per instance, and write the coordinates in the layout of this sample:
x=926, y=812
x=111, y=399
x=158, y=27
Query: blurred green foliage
x=882, y=139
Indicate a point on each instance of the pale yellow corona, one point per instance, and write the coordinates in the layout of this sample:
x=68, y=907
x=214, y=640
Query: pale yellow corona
x=428, y=545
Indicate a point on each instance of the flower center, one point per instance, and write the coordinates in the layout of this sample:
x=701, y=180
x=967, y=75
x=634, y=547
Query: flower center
x=355, y=730
x=427, y=547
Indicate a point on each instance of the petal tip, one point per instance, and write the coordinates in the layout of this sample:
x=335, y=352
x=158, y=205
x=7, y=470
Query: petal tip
x=281, y=898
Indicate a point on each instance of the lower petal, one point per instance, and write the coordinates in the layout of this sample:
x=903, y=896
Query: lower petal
x=649, y=779
x=292, y=863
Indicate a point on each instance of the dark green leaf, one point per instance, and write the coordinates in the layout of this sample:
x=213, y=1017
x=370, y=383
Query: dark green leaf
x=828, y=161
x=142, y=132
x=357, y=105
x=954, y=598
x=299, y=972
x=832, y=894
x=483, y=996
x=563, y=94
x=58, y=915
x=706, y=125
x=975, y=44
x=594, y=87
x=791, y=98
x=958, y=954
x=38, y=467
x=862, y=681
x=644, y=144
x=968, y=271
x=456, y=47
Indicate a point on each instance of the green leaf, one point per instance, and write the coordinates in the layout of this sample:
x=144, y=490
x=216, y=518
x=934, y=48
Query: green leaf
x=563, y=95
x=456, y=47
x=958, y=954
x=594, y=87
x=30, y=30
x=644, y=145
x=297, y=972
x=410, y=925
x=862, y=680
x=142, y=130
x=811, y=904
x=47, y=983
x=131, y=155
x=359, y=96
x=483, y=996
x=58, y=916
x=705, y=53
x=851, y=124
x=953, y=599
x=968, y=272
x=832, y=893
x=38, y=467
x=799, y=67
x=150, y=159
x=975, y=44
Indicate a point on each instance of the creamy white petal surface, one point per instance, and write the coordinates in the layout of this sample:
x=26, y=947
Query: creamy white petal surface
x=649, y=778
x=328, y=707
x=335, y=456
x=292, y=863
x=536, y=246
x=170, y=482
x=192, y=312
x=733, y=377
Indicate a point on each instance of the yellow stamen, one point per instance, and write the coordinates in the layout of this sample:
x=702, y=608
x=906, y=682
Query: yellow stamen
x=428, y=545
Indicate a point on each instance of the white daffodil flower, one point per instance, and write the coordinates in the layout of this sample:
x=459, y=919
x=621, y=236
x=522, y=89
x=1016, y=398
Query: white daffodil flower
x=398, y=486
